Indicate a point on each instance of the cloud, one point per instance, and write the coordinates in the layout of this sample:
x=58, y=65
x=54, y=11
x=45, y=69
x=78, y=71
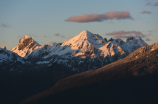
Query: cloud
x=59, y=35
x=156, y=4
x=19, y=36
x=145, y=12
x=34, y=35
x=126, y=34
x=47, y=36
x=100, y=17
x=5, y=25
x=147, y=39
x=147, y=4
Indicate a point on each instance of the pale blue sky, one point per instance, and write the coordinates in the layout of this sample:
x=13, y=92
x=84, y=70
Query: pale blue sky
x=44, y=20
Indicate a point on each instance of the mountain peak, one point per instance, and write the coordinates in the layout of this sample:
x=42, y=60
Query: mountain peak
x=85, y=34
x=137, y=41
x=85, y=31
x=25, y=46
x=129, y=39
x=85, y=38
x=27, y=37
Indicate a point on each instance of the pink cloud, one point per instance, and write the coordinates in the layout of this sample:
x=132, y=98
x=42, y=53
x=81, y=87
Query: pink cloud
x=148, y=3
x=100, y=17
x=147, y=39
x=5, y=25
x=156, y=4
x=59, y=35
x=145, y=12
x=126, y=34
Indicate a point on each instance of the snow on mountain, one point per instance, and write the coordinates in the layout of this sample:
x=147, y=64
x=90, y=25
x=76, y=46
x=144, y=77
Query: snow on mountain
x=84, y=40
x=26, y=46
x=6, y=56
x=84, y=51
x=85, y=44
x=132, y=44
x=10, y=61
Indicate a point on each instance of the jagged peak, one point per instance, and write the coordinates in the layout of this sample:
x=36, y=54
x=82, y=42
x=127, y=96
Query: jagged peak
x=120, y=41
x=27, y=37
x=129, y=39
x=111, y=39
x=134, y=40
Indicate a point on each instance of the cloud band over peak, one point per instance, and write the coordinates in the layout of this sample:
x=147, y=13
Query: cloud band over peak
x=127, y=34
x=99, y=17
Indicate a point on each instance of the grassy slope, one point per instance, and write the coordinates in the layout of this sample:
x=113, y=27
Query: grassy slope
x=133, y=79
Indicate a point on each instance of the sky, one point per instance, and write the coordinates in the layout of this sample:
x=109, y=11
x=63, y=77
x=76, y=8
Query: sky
x=49, y=21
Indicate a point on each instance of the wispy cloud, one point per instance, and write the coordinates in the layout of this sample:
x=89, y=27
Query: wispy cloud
x=47, y=36
x=100, y=17
x=147, y=39
x=59, y=35
x=126, y=34
x=33, y=35
x=19, y=36
x=156, y=4
x=147, y=4
x=145, y=12
x=5, y=25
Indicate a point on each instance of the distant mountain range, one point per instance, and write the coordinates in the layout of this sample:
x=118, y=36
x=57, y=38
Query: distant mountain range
x=83, y=52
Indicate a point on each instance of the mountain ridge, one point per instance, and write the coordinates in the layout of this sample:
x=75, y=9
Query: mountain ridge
x=85, y=47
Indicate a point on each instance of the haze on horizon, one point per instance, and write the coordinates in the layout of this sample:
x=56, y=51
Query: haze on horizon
x=58, y=20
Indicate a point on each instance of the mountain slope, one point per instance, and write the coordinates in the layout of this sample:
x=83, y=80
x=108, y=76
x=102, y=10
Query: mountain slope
x=10, y=61
x=132, y=80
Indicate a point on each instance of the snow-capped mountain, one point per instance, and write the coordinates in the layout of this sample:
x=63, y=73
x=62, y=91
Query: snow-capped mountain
x=26, y=46
x=83, y=52
x=10, y=60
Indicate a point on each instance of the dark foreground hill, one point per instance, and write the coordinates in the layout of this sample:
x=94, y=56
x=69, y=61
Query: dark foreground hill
x=16, y=86
x=132, y=80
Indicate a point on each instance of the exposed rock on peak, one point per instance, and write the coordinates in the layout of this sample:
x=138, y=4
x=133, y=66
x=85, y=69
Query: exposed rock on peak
x=130, y=39
x=111, y=39
x=4, y=47
x=119, y=41
x=25, y=46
